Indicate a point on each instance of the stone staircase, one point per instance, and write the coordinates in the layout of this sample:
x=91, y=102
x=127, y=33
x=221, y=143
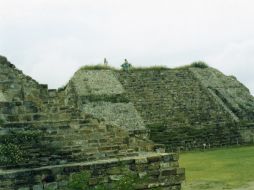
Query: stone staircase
x=64, y=135
x=161, y=170
x=68, y=141
x=46, y=136
x=179, y=111
x=173, y=97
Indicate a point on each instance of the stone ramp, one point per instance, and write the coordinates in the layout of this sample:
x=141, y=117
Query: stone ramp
x=162, y=171
x=100, y=93
x=234, y=95
x=179, y=111
x=173, y=97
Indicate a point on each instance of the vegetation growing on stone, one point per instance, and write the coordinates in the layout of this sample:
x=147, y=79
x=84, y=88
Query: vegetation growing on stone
x=1, y=121
x=126, y=181
x=79, y=181
x=10, y=154
x=10, y=147
x=152, y=68
x=3, y=60
x=18, y=137
x=183, y=108
x=196, y=64
x=199, y=64
x=97, y=67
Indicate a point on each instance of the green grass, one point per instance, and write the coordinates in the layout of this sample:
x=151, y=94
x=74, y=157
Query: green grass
x=219, y=169
x=198, y=64
x=107, y=67
x=97, y=67
x=154, y=68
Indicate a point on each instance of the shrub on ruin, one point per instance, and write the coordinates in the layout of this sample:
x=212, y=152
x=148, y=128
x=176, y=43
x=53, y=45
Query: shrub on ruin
x=127, y=182
x=11, y=152
x=199, y=64
x=80, y=181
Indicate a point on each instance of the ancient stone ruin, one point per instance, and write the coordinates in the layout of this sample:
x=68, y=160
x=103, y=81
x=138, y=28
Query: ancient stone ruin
x=109, y=122
x=89, y=125
x=187, y=107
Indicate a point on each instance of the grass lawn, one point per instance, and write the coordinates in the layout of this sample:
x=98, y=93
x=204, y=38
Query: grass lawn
x=230, y=168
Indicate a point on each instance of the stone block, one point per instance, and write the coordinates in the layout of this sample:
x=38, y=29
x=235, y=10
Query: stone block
x=24, y=188
x=154, y=159
x=51, y=186
x=141, y=161
x=38, y=187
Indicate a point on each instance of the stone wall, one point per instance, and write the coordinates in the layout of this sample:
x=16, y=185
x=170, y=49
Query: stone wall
x=2, y=98
x=71, y=141
x=161, y=170
x=183, y=108
x=247, y=133
x=96, y=82
x=174, y=97
x=188, y=107
x=17, y=86
x=98, y=92
x=234, y=95
x=48, y=135
x=105, y=117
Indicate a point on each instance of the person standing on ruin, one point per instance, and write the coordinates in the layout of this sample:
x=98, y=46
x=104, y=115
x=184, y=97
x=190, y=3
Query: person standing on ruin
x=126, y=65
x=105, y=62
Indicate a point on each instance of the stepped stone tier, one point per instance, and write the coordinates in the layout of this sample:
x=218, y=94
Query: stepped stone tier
x=190, y=107
x=184, y=108
x=104, y=117
x=89, y=125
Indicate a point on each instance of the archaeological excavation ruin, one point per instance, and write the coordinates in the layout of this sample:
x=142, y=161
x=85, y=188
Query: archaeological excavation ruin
x=110, y=122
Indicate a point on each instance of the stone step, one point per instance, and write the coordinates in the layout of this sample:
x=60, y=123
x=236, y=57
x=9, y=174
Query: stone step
x=18, y=107
x=165, y=166
x=47, y=124
x=73, y=140
x=40, y=116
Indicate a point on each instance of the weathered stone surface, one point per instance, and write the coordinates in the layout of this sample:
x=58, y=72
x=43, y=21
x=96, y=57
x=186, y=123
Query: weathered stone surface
x=106, y=118
x=96, y=82
x=89, y=125
x=103, y=171
x=235, y=97
x=185, y=108
x=120, y=114
x=100, y=93
x=2, y=98
x=25, y=188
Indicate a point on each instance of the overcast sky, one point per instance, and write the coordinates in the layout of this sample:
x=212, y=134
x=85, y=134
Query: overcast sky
x=50, y=39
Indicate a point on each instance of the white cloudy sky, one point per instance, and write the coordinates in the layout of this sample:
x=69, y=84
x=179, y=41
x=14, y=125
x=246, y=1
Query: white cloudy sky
x=51, y=39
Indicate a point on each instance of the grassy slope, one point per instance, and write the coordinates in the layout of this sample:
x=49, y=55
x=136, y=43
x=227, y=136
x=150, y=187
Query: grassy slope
x=219, y=169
